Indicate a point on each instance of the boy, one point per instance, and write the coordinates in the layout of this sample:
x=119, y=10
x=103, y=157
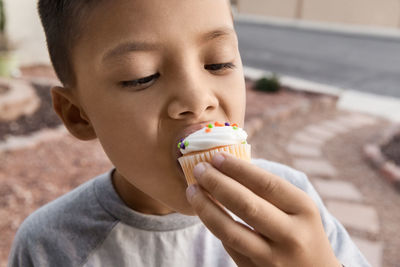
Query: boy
x=140, y=75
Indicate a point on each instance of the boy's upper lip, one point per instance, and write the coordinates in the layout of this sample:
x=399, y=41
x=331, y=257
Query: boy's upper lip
x=187, y=131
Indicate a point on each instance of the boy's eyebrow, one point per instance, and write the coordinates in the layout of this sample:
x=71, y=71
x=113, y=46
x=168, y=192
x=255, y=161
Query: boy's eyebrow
x=130, y=46
x=217, y=33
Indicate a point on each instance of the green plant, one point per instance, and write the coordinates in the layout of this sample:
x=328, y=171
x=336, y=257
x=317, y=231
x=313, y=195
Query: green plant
x=4, y=42
x=268, y=84
x=8, y=60
x=2, y=17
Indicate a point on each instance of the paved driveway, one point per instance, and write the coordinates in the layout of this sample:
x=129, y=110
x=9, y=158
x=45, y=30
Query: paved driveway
x=366, y=63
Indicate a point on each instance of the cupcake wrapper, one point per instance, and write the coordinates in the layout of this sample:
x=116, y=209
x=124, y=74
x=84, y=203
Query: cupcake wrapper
x=242, y=151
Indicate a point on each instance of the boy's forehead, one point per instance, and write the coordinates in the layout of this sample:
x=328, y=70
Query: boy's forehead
x=119, y=26
x=154, y=19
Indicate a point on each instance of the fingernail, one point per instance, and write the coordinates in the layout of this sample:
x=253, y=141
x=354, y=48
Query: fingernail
x=198, y=170
x=218, y=159
x=191, y=191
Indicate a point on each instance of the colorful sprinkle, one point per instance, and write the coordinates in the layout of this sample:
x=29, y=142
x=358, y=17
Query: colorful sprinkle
x=182, y=146
x=186, y=143
x=179, y=145
x=244, y=142
x=227, y=124
x=208, y=130
x=217, y=124
x=210, y=126
x=235, y=127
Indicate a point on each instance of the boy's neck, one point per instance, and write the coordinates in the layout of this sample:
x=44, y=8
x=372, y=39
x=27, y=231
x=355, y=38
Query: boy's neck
x=136, y=199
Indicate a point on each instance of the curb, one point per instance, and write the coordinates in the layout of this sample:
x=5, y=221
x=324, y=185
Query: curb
x=373, y=153
x=378, y=105
x=389, y=170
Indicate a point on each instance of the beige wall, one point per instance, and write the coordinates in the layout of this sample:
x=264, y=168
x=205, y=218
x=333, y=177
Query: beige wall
x=277, y=8
x=24, y=28
x=382, y=13
x=368, y=12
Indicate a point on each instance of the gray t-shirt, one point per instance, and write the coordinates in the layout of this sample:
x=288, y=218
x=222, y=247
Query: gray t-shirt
x=91, y=226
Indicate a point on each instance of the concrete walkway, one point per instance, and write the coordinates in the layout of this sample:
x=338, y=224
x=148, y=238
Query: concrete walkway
x=341, y=197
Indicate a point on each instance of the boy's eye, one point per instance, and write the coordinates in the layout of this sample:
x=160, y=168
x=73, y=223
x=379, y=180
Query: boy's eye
x=146, y=81
x=140, y=82
x=219, y=67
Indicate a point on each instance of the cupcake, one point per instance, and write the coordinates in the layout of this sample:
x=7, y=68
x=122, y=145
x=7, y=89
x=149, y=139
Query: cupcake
x=204, y=143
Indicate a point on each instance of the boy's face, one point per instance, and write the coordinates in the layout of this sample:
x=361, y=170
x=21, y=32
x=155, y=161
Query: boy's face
x=178, y=46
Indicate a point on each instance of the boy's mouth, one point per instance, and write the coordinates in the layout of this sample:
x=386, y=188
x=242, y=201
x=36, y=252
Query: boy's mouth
x=186, y=132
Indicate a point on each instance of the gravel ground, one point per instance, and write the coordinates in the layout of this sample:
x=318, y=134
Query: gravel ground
x=372, y=185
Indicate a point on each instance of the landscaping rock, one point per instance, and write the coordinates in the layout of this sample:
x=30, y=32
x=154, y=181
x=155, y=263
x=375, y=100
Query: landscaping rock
x=42, y=117
x=19, y=99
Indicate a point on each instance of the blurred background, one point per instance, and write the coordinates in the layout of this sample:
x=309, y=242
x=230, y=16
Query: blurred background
x=323, y=96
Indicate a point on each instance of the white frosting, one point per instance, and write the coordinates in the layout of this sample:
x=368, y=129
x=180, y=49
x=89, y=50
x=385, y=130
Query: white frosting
x=218, y=136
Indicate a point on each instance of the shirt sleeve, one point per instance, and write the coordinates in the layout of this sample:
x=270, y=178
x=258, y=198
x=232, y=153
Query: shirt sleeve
x=63, y=232
x=20, y=254
x=344, y=248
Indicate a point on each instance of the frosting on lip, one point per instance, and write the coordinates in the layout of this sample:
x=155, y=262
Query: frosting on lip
x=213, y=135
x=186, y=132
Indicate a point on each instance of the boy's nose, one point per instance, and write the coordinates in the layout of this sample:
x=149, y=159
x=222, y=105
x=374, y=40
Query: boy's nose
x=194, y=101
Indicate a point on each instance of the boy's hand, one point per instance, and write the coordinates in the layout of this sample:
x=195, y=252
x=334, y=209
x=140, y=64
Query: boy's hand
x=287, y=225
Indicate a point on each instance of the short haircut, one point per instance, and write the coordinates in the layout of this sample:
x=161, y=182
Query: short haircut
x=63, y=22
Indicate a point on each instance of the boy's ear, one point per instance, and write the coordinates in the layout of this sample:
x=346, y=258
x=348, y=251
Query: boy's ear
x=73, y=116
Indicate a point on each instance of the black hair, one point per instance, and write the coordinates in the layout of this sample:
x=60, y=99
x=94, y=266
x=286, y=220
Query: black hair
x=63, y=22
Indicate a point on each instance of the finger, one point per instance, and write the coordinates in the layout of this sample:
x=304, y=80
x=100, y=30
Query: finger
x=232, y=233
x=240, y=259
x=268, y=186
x=264, y=217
